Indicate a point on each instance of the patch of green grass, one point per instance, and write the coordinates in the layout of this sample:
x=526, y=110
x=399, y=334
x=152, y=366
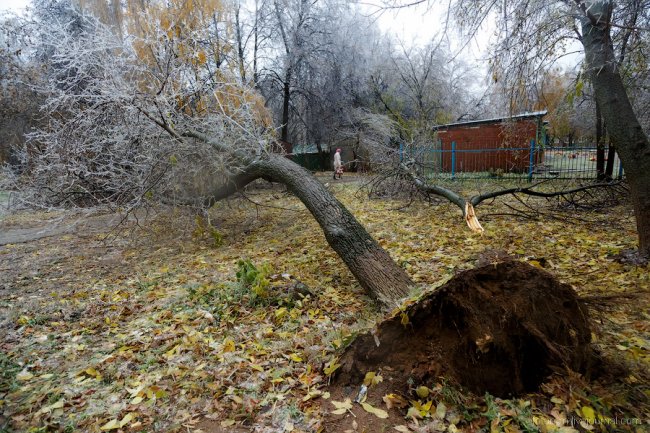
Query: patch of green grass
x=8, y=372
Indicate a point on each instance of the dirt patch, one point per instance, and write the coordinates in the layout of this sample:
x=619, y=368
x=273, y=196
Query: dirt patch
x=499, y=328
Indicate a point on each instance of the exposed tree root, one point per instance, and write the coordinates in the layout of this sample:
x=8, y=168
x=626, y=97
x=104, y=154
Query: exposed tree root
x=499, y=328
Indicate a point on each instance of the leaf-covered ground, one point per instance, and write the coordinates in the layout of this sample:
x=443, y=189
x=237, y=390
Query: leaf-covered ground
x=182, y=326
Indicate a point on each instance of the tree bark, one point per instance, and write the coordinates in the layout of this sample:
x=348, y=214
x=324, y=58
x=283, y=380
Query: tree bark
x=286, y=97
x=375, y=270
x=600, y=146
x=240, y=44
x=622, y=124
x=611, y=157
x=372, y=266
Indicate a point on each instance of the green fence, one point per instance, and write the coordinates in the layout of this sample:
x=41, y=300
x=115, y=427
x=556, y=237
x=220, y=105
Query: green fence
x=533, y=162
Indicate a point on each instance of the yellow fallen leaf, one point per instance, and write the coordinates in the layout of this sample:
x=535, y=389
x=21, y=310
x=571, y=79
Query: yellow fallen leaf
x=228, y=345
x=557, y=400
x=441, y=410
x=331, y=367
x=295, y=357
x=50, y=408
x=372, y=378
x=281, y=312
x=367, y=380
x=418, y=409
x=588, y=413
x=341, y=406
x=312, y=394
x=155, y=392
x=92, y=372
x=413, y=413
x=111, y=425
x=394, y=400
x=171, y=352
x=24, y=376
x=127, y=419
x=379, y=413
x=227, y=423
x=402, y=429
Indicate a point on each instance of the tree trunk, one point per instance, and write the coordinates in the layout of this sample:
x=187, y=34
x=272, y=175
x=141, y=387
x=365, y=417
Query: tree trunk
x=611, y=157
x=622, y=124
x=375, y=270
x=286, y=96
x=240, y=44
x=600, y=146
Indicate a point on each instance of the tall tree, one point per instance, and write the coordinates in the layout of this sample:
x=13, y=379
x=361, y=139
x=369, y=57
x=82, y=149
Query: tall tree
x=623, y=127
x=520, y=57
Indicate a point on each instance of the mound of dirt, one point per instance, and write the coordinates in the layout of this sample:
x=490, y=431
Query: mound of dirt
x=499, y=328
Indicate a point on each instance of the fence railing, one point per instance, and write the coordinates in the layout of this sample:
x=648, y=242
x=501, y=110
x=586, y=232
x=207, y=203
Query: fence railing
x=532, y=161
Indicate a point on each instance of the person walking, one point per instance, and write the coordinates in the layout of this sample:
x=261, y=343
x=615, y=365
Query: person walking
x=338, y=166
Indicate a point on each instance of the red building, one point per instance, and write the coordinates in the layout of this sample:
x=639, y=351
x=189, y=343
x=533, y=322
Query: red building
x=492, y=144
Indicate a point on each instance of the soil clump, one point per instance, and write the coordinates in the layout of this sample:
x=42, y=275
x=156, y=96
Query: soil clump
x=500, y=328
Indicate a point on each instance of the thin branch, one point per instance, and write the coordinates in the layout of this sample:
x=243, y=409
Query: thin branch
x=423, y=186
x=477, y=199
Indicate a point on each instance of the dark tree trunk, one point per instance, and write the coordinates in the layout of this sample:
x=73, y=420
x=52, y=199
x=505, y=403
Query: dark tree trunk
x=600, y=145
x=611, y=157
x=240, y=44
x=375, y=270
x=286, y=95
x=622, y=124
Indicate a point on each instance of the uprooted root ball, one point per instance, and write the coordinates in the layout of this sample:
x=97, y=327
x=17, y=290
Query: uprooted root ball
x=499, y=328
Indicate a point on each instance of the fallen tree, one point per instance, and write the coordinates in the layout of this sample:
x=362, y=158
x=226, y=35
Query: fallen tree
x=467, y=204
x=132, y=139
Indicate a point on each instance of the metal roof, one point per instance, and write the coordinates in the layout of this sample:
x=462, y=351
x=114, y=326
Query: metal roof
x=522, y=116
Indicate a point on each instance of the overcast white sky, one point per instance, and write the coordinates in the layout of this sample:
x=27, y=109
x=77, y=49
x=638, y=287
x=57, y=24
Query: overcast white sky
x=416, y=24
x=15, y=5
x=412, y=25
x=419, y=24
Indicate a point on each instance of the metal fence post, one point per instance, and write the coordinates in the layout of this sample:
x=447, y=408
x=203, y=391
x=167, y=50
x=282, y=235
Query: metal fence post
x=531, y=163
x=620, y=168
x=401, y=152
x=453, y=159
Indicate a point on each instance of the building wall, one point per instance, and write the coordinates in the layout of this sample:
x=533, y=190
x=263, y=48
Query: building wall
x=493, y=136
